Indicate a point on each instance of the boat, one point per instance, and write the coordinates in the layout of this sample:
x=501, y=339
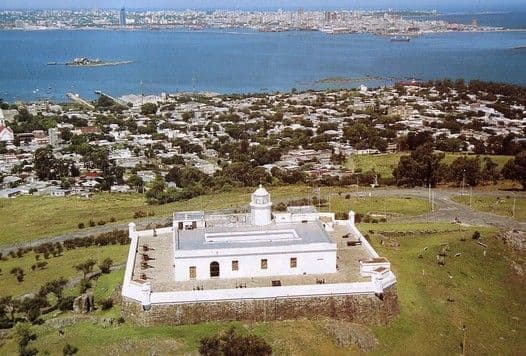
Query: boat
x=400, y=39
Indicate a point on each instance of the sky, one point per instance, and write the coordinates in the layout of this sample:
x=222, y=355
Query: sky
x=443, y=5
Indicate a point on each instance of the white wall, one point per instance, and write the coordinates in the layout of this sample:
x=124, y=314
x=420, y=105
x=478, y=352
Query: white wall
x=278, y=264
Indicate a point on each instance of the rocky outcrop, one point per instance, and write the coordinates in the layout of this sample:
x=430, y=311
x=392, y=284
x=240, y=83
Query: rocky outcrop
x=515, y=240
x=351, y=334
x=84, y=303
x=363, y=309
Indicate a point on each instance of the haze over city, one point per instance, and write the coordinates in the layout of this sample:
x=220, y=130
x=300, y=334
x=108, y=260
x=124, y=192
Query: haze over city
x=447, y=5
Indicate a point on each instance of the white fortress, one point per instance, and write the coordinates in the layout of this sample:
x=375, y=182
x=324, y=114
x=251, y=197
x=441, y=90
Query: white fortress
x=214, y=258
x=252, y=246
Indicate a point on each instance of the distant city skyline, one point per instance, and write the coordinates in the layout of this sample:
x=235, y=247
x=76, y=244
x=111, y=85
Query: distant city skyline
x=444, y=5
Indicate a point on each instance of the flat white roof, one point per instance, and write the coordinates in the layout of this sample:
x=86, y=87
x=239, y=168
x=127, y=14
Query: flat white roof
x=242, y=236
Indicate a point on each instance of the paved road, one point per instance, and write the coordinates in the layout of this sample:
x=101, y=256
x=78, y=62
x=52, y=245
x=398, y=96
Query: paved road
x=142, y=224
x=446, y=210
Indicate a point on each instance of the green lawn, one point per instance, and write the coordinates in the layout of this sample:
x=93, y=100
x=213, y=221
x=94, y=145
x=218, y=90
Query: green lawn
x=485, y=297
x=483, y=293
x=502, y=205
x=38, y=217
x=393, y=206
x=385, y=163
x=30, y=217
x=61, y=266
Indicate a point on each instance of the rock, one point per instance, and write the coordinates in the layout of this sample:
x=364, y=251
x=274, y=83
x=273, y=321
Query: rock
x=61, y=323
x=347, y=334
x=4, y=335
x=514, y=239
x=84, y=303
x=517, y=268
x=441, y=260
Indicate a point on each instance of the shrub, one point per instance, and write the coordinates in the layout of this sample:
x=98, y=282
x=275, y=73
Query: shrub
x=358, y=218
x=84, y=285
x=42, y=265
x=281, y=206
x=140, y=214
x=69, y=350
x=231, y=343
x=106, y=304
x=476, y=235
x=112, y=219
x=105, y=266
x=81, y=225
x=342, y=216
x=91, y=223
x=66, y=303
x=101, y=222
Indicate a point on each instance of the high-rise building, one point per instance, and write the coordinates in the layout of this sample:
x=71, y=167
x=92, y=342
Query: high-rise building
x=122, y=17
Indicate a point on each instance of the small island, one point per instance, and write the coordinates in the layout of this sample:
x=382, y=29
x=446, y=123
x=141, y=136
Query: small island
x=88, y=62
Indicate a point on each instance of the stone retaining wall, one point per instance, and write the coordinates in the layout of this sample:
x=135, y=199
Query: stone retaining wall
x=364, y=309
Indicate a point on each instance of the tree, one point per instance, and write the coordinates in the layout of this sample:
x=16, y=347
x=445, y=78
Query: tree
x=464, y=169
x=136, y=182
x=55, y=286
x=156, y=191
x=105, y=265
x=25, y=336
x=489, y=171
x=31, y=306
x=44, y=162
x=231, y=343
x=8, y=308
x=86, y=267
x=421, y=168
x=149, y=109
x=69, y=350
x=515, y=169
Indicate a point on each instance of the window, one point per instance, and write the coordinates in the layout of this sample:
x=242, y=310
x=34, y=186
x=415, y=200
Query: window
x=193, y=272
x=214, y=269
x=293, y=262
x=264, y=263
x=235, y=265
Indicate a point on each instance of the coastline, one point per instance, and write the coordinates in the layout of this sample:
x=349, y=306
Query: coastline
x=233, y=29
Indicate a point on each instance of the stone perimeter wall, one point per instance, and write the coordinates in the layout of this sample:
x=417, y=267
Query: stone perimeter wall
x=364, y=309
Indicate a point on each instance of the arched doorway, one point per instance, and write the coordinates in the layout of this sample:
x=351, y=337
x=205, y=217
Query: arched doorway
x=214, y=269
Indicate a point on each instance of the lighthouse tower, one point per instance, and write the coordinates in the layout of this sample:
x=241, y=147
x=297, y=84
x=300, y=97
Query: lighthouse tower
x=261, y=207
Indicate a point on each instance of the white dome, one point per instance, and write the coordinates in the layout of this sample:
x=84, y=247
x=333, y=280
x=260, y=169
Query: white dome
x=260, y=192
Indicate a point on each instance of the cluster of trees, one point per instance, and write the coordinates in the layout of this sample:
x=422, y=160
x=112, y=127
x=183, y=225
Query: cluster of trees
x=48, y=249
x=424, y=167
x=30, y=307
x=190, y=182
x=24, y=121
x=48, y=167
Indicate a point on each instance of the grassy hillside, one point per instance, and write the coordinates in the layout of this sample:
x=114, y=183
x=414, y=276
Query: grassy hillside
x=60, y=266
x=502, y=205
x=47, y=216
x=483, y=295
x=384, y=164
